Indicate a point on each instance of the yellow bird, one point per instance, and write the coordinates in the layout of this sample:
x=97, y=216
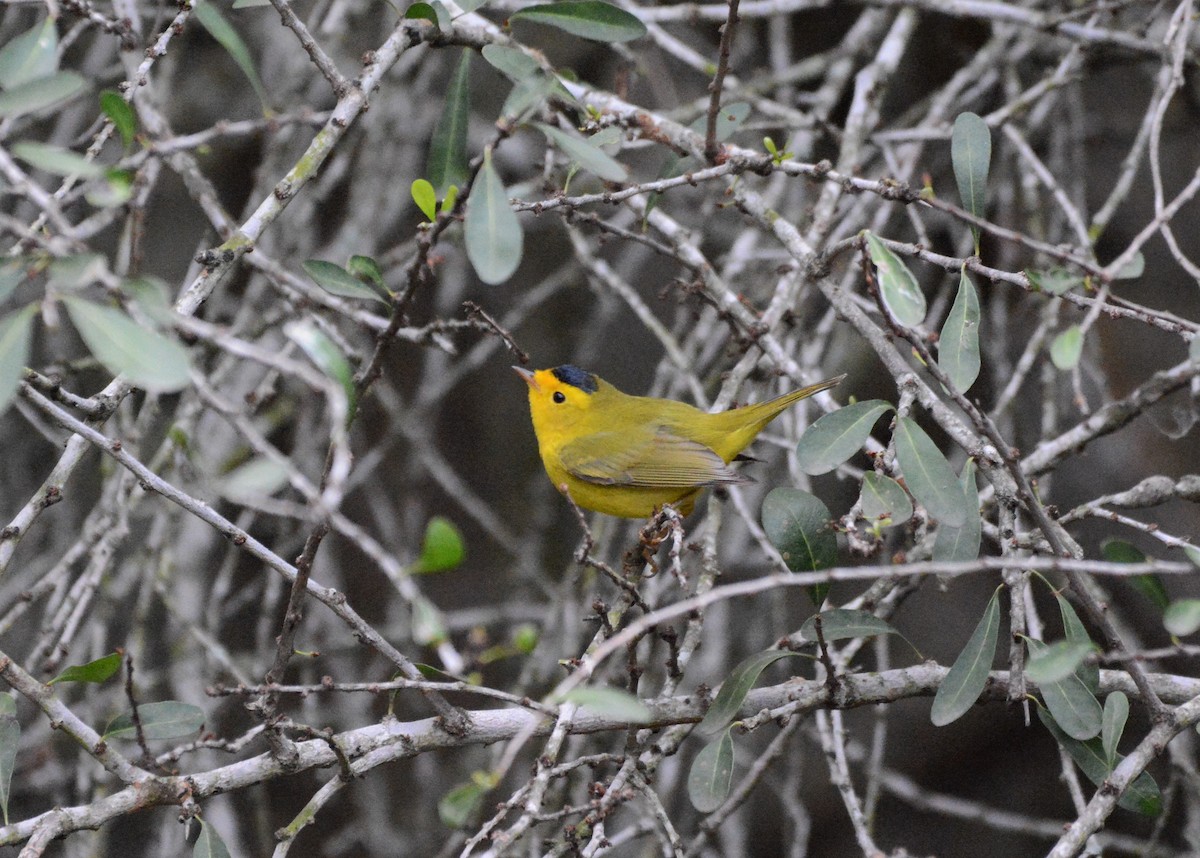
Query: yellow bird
x=628, y=455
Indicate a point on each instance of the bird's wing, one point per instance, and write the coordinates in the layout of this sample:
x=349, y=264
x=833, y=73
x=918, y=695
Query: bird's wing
x=660, y=460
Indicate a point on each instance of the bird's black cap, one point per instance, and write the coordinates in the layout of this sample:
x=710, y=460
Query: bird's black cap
x=576, y=377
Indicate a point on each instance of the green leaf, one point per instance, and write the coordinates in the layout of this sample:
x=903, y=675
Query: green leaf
x=884, y=499
x=588, y=19
x=898, y=287
x=457, y=807
x=72, y=273
x=146, y=358
x=1058, y=661
x=711, y=774
x=1142, y=796
x=1194, y=349
x=1120, y=551
x=1054, y=281
x=1133, y=269
x=1193, y=554
x=448, y=163
x=60, y=162
x=336, y=280
x=1076, y=633
x=12, y=275
x=227, y=37
x=167, y=719
x=258, y=478
x=1116, y=713
x=929, y=476
x=1182, y=617
x=432, y=11
x=734, y=689
x=121, y=115
x=367, y=270
x=586, y=155
x=843, y=624
x=971, y=155
x=40, y=93
x=152, y=297
x=612, y=703
x=513, y=63
x=425, y=197
x=838, y=435
x=471, y=5
x=730, y=118
x=10, y=737
x=493, y=233
x=1075, y=709
x=442, y=548
x=968, y=675
x=249, y=4
x=99, y=670
x=325, y=354
x=16, y=336
x=958, y=345
x=797, y=524
x=30, y=56
x=962, y=542
x=1067, y=348
x=115, y=190
x=209, y=844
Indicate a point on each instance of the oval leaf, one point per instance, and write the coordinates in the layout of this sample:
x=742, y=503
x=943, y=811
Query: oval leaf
x=336, y=280
x=513, y=63
x=493, y=233
x=1116, y=713
x=1142, y=796
x=929, y=476
x=366, y=270
x=838, y=435
x=797, y=524
x=425, y=197
x=325, y=354
x=31, y=55
x=99, y=670
x=611, y=702
x=971, y=155
x=209, y=844
x=900, y=291
x=734, y=689
x=1182, y=617
x=167, y=719
x=958, y=346
x=428, y=624
x=40, y=93
x=843, y=624
x=448, y=163
x=883, y=499
x=730, y=118
x=1054, y=281
x=1075, y=709
x=962, y=542
x=10, y=737
x=585, y=154
x=16, y=335
x=1059, y=660
x=589, y=19
x=60, y=162
x=969, y=674
x=456, y=807
x=1067, y=348
x=1075, y=632
x=146, y=358
x=120, y=114
x=442, y=547
x=258, y=478
x=711, y=774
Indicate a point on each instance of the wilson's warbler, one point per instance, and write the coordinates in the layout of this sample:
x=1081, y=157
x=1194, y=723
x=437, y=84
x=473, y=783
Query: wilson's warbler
x=628, y=455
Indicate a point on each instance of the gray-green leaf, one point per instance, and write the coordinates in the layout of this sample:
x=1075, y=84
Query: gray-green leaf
x=1058, y=660
x=16, y=334
x=589, y=19
x=1182, y=617
x=1067, y=347
x=969, y=674
x=611, y=703
x=884, y=498
x=10, y=737
x=60, y=162
x=146, y=358
x=962, y=542
x=929, y=476
x=494, y=237
x=734, y=689
x=711, y=774
x=209, y=844
x=797, y=523
x=254, y=480
x=898, y=287
x=971, y=155
x=1054, y=281
x=1075, y=709
x=325, y=354
x=448, y=163
x=212, y=20
x=336, y=280
x=838, y=435
x=1116, y=713
x=585, y=154
x=167, y=719
x=29, y=56
x=40, y=93
x=1075, y=632
x=958, y=345
x=841, y=624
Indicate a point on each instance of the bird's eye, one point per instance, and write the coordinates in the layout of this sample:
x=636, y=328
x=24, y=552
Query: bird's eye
x=559, y=396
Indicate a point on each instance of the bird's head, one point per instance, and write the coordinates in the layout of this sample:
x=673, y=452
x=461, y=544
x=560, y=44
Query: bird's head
x=561, y=396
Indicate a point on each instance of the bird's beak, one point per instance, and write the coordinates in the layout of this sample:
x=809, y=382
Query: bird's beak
x=528, y=376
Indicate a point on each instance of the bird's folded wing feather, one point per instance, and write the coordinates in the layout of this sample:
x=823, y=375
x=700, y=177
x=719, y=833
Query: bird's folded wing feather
x=660, y=460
